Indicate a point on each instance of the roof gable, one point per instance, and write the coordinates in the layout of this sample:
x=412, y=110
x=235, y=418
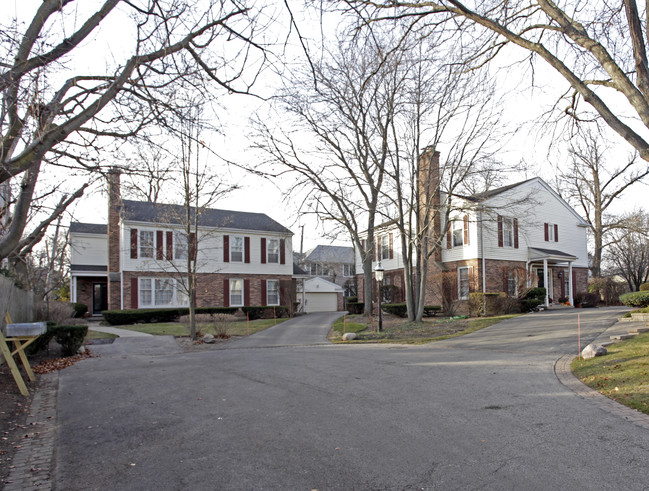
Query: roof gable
x=487, y=196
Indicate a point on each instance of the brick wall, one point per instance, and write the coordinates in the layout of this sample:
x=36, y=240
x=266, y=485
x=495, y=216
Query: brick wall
x=209, y=287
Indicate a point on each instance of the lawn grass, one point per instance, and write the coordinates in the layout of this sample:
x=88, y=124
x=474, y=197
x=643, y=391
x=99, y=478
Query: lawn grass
x=401, y=331
x=237, y=328
x=622, y=375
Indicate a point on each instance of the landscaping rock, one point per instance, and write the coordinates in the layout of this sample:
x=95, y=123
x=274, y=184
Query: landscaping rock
x=209, y=339
x=593, y=350
x=348, y=336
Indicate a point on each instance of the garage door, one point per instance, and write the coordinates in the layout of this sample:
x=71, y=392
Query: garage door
x=321, y=302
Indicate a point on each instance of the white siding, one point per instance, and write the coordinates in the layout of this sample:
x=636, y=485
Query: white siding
x=88, y=249
x=210, y=253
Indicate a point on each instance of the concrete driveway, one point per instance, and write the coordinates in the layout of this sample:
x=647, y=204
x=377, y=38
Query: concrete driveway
x=484, y=411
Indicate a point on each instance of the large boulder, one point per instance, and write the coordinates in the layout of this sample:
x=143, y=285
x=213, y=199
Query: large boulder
x=348, y=336
x=593, y=350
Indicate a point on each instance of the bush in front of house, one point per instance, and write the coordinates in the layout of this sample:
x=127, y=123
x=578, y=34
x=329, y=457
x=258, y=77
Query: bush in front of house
x=254, y=312
x=353, y=306
x=644, y=287
x=591, y=299
x=485, y=304
x=70, y=338
x=431, y=310
x=135, y=316
x=209, y=310
x=532, y=299
x=635, y=299
x=80, y=309
x=398, y=309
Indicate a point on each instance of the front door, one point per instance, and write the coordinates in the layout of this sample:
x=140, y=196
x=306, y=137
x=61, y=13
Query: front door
x=99, y=297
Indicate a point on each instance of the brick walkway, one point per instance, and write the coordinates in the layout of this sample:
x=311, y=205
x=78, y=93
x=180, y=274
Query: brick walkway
x=565, y=376
x=32, y=462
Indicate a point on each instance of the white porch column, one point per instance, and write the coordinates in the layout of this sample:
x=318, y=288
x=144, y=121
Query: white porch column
x=545, y=282
x=73, y=289
x=570, y=286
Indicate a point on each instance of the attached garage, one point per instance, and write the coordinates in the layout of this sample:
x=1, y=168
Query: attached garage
x=321, y=295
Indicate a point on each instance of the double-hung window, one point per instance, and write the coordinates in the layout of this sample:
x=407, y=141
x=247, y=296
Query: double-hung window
x=385, y=247
x=512, y=284
x=180, y=245
x=236, y=293
x=272, y=292
x=463, y=283
x=146, y=243
x=146, y=292
x=348, y=270
x=273, y=251
x=458, y=233
x=236, y=249
x=508, y=232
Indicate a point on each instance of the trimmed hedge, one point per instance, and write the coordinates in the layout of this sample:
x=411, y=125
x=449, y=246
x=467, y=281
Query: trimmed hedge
x=398, y=309
x=134, y=316
x=70, y=338
x=355, y=307
x=80, y=309
x=401, y=309
x=532, y=299
x=431, y=310
x=145, y=316
x=255, y=312
x=635, y=299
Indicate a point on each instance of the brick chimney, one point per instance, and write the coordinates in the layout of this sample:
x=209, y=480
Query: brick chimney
x=428, y=185
x=114, y=208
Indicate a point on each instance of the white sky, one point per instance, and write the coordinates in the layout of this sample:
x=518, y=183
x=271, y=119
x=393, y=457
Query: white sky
x=258, y=195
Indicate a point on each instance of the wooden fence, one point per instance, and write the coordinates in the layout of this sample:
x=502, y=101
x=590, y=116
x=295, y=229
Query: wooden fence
x=19, y=303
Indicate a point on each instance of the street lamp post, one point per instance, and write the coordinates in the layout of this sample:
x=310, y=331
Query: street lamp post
x=378, y=275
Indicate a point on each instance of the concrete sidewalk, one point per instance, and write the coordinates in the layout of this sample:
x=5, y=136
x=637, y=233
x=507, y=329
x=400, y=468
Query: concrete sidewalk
x=118, y=331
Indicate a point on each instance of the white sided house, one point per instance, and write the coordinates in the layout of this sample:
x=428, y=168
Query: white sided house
x=505, y=240
x=140, y=259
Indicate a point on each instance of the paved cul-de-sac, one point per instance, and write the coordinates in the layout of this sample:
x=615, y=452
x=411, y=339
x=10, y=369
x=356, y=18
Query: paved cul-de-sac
x=285, y=409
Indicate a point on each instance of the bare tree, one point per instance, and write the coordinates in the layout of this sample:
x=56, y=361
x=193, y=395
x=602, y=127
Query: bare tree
x=345, y=108
x=599, y=48
x=446, y=107
x=628, y=253
x=151, y=173
x=54, y=115
x=595, y=186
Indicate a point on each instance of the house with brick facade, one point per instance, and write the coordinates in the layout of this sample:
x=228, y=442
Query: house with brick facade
x=505, y=240
x=139, y=259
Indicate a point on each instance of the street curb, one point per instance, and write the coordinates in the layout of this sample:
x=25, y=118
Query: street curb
x=33, y=462
x=567, y=378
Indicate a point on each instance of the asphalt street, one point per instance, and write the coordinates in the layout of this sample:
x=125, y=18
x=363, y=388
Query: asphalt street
x=281, y=411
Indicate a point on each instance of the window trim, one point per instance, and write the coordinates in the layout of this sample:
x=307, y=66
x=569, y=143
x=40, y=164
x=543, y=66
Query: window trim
x=231, y=282
x=459, y=282
x=153, y=283
x=268, y=302
x=268, y=253
x=508, y=226
x=141, y=246
x=233, y=239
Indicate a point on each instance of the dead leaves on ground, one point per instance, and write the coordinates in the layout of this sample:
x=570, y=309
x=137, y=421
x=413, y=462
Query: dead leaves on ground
x=48, y=366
